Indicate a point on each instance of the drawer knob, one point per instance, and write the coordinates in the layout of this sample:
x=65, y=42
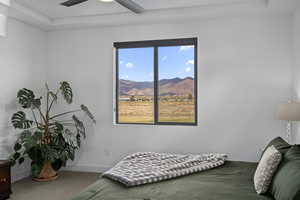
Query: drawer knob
x=3, y=180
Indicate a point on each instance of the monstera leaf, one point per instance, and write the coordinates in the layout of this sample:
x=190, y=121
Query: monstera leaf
x=19, y=120
x=58, y=127
x=79, y=126
x=47, y=138
x=70, y=138
x=27, y=99
x=17, y=146
x=88, y=113
x=36, y=103
x=66, y=91
x=28, y=140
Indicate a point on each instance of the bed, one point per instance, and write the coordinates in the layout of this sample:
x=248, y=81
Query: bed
x=232, y=181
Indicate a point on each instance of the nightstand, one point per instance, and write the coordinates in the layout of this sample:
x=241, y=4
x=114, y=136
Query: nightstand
x=5, y=180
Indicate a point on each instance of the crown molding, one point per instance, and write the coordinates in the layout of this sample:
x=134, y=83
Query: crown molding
x=253, y=7
x=30, y=16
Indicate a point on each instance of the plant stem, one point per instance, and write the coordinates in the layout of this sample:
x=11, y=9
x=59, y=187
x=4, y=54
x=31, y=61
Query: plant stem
x=68, y=124
x=41, y=114
x=37, y=124
x=47, y=105
x=58, y=115
x=53, y=99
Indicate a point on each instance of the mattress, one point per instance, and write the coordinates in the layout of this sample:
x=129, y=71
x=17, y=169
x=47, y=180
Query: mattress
x=232, y=181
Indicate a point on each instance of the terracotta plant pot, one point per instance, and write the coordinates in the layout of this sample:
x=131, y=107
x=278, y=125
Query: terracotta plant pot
x=47, y=173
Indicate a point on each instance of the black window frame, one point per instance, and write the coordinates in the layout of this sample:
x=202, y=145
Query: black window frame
x=156, y=44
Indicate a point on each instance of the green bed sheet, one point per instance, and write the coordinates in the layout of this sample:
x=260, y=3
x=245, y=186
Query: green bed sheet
x=232, y=181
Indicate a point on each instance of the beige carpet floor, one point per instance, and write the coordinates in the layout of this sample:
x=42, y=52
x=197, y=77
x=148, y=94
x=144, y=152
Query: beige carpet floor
x=65, y=187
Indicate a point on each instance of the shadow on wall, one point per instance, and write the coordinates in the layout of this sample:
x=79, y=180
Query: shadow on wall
x=7, y=132
x=7, y=139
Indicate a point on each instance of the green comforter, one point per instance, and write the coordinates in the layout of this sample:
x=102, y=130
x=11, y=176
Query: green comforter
x=232, y=181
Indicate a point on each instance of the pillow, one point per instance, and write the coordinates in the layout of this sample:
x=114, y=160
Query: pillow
x=280, y=144
x=286, y=182
x=265, y=170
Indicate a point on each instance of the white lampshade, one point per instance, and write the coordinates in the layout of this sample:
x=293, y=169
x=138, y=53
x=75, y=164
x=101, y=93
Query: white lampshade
x=289, y=112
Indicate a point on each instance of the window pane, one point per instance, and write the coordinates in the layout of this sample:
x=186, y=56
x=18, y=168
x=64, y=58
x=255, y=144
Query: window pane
x=176, y=84
x=135, y=102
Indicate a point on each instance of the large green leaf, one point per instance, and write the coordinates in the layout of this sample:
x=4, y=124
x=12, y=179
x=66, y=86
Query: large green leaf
x=17, y=146
x=36, y=103
x=66, y=91
x=36, y=168
x=16, y=155
x=78, y=137
x=79, y=126
x=27, y=99
x=35, y=154
x=37, y=137
x=70, y=137
x=21, y=160
x=58, y=127
x=19, y=120
x=56, y=165
x=88, y=113
x=50, y=153
x=24, y=136
x=28, y=140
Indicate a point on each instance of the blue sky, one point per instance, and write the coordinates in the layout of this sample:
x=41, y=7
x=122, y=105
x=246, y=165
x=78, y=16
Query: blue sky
x=136, y=64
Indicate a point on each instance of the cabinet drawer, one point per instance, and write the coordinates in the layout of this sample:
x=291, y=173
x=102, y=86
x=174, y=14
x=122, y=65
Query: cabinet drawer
x=4, y=179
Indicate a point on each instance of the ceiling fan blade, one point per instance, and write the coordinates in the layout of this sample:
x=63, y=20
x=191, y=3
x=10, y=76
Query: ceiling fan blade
x=72, y=2
x=131, y=5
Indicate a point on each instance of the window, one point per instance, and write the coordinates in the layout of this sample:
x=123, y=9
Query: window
x=156, y=82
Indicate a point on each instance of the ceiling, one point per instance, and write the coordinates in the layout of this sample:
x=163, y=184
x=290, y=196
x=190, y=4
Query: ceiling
x=53, y=9
x=50, y=15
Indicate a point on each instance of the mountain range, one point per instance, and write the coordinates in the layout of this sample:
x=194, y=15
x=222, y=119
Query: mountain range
x=175, y=86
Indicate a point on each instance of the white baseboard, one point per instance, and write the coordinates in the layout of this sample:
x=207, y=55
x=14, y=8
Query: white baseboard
x=20, y=175
x=16, y=176
x=87, y=168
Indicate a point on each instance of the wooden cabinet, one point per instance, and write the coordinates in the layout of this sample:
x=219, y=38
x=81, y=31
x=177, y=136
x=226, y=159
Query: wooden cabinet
x=5, y=180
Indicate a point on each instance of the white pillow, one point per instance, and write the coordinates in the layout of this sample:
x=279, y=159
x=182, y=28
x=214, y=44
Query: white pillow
x=266, y=169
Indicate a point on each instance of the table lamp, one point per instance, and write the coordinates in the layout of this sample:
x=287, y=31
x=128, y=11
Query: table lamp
x=289, y=112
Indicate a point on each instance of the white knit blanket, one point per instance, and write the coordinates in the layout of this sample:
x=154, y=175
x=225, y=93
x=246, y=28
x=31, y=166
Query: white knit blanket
x=148, y=167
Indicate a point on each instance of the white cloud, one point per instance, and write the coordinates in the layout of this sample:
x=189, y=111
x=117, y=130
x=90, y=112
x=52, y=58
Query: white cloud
x=164, y=58
x=186, y=48
x=129, y=65
x=121, y=62
x=126, y=76
x=190, y=62
x=187, y=69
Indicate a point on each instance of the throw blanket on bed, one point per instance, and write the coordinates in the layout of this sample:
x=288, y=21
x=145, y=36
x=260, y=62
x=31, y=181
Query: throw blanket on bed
x=149, y=167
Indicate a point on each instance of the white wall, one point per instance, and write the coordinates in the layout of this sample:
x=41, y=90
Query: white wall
x=3, y=16
x=244, y=73
x=22, y=64
x=296, y=56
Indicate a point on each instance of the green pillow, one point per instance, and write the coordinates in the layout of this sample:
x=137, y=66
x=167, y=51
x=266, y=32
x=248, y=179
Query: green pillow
x=286, y=182
x=280, y=144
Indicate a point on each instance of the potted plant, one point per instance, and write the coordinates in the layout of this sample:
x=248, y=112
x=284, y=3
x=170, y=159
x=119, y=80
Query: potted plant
x=49, y=140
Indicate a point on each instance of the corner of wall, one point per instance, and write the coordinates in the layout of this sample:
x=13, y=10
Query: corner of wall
x=17, y=65
x=296, y=65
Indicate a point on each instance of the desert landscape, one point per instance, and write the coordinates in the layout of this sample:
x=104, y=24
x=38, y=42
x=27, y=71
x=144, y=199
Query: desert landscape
x=176, y=101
